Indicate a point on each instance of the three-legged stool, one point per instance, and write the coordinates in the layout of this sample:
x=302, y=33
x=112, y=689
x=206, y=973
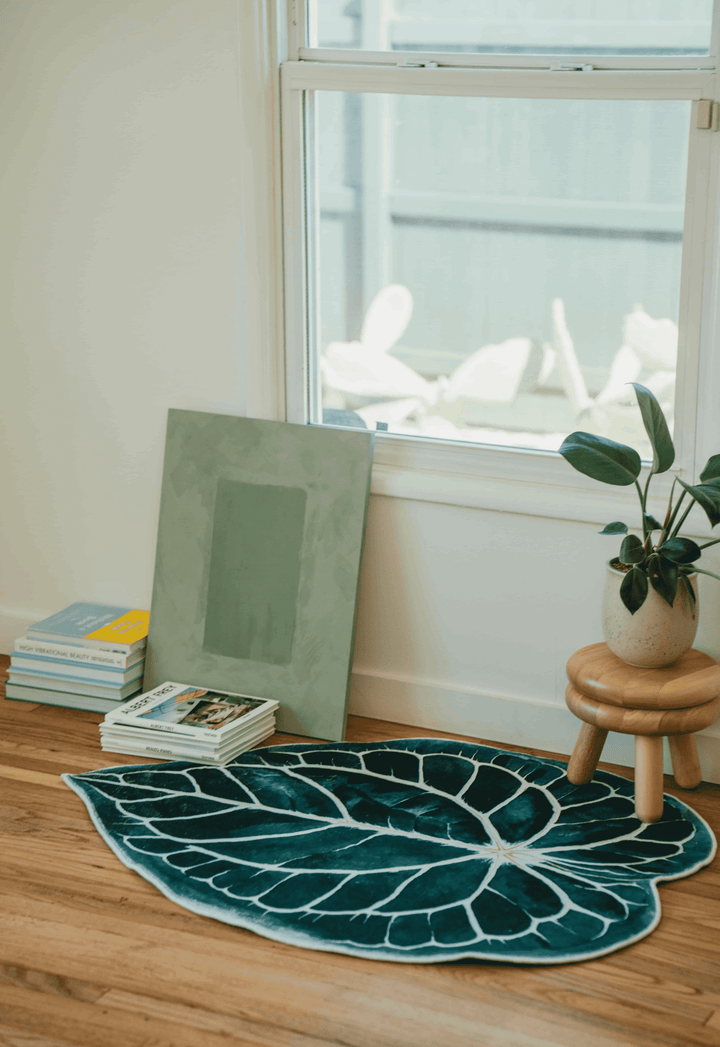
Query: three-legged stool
x=610, y=695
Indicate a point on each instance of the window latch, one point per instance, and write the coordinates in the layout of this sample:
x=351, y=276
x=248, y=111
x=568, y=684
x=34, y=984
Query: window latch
x=571, y=67
x=708, y=115
x=409, y=63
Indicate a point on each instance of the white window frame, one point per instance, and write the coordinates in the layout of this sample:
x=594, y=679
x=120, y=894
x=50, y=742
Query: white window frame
x=507, y=479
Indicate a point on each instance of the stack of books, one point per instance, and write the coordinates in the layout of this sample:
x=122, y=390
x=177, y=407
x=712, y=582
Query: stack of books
x=89, y=656
x=176, y=721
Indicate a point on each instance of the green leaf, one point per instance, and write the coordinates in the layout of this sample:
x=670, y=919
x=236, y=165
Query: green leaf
x=601, y=459
x=632, y=550
x=663, y=576
x=634, y=589
x=651, y=523
x=680, y=550
x=616, y=527
x=688, y=588
x=656, y=428
x=712, y=469
x=708, y=496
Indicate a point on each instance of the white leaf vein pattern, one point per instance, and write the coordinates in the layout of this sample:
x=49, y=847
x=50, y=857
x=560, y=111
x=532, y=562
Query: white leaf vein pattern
x=420, y=849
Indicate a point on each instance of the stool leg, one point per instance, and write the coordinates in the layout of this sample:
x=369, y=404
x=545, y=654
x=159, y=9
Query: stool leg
x=685, y=763
x=586, y=754
x=648, y=777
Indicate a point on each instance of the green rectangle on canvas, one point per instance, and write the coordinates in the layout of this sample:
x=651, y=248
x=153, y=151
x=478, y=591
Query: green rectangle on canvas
x=254, y=571
x=258, y=557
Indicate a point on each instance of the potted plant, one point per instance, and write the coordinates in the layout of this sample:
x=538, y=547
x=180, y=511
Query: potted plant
x=650, y=604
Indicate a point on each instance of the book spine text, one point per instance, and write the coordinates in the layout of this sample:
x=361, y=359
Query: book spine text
x=81, y=655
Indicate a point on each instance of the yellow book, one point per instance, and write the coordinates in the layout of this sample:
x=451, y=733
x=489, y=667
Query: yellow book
x=95, y=625
x=126, y=629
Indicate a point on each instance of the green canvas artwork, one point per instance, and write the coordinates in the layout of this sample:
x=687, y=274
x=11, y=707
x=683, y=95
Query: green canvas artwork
x=255, y=563
x=258, y=557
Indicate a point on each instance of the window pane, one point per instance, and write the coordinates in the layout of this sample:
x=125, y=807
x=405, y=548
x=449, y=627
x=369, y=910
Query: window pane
x=632, y=27
x=498, y=269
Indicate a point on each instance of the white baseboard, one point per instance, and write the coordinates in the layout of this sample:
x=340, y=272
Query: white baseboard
x=513, y=719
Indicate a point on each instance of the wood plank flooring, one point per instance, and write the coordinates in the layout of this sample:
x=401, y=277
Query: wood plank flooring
x=91, y=955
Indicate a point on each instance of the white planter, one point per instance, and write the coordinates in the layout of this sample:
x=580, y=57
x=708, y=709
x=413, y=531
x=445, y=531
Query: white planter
x=657, y=634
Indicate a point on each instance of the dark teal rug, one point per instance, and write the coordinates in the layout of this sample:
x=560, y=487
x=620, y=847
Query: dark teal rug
x=418, y=850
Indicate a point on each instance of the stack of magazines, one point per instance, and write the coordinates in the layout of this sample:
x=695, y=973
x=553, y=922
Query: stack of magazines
x=88, y=656
x=176, y=721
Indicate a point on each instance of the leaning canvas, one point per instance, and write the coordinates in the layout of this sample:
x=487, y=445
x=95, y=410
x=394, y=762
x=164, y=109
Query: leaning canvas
x=258, y=556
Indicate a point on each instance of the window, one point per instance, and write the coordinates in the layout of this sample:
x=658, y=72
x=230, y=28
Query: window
x=496, y=217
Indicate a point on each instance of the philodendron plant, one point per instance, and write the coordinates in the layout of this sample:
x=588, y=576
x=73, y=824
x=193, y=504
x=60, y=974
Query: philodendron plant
x=667, y=562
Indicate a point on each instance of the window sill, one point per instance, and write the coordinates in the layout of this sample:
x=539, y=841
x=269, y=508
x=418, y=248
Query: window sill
x=501, y=479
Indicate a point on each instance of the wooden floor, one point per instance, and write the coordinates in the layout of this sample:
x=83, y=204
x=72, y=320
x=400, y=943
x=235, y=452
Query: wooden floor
x=94, y=956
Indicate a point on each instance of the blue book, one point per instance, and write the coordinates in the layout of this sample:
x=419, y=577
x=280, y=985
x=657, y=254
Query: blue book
x=112, y=675
x=91, y=703
x=66, y=685
x=95, y=625
x=115, y=681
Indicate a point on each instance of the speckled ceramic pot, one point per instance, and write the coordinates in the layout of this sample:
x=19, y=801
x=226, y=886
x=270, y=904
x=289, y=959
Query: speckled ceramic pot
x=657, y=634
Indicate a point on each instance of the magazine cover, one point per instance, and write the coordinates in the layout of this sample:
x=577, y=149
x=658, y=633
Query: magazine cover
x=182, y=709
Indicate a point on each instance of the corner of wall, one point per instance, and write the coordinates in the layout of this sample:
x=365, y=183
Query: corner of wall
x=13, y=625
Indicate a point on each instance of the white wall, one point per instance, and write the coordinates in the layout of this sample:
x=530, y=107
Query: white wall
x=467, y=620
x=133, y=280
x=123, y=280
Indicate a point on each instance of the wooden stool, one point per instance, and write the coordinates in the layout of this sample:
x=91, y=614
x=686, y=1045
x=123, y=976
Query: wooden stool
x=610, y=695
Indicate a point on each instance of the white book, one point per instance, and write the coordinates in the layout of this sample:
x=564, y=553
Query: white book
x=208, y=744
x=111, y=676
x=81, y=655
x=183, y=709
x=173, y=753
x=180, y=744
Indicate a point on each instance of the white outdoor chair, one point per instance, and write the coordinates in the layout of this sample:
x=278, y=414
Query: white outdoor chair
x=365, y=368
x=648, y=345
x=353, y=371
x=496, y=373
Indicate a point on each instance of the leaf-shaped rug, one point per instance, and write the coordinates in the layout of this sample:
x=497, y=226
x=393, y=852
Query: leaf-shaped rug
x=416, y=850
